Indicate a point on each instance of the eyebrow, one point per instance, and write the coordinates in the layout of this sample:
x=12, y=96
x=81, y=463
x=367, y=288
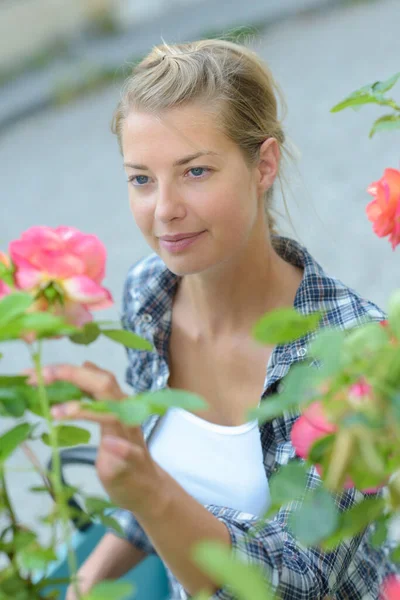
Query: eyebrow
x=177, y=163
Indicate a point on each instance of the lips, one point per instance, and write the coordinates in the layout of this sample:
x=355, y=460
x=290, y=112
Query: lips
x=178, y=238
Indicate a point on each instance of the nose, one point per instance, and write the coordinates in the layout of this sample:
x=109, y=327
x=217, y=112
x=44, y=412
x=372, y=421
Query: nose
x=169, y=204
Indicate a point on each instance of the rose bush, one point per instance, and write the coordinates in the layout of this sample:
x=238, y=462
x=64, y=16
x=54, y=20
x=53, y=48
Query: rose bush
x=350, y=423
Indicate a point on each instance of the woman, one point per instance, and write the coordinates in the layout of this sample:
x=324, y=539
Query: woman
x=202, y=143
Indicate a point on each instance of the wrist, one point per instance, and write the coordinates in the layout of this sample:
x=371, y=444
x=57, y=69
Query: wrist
x=160, y=497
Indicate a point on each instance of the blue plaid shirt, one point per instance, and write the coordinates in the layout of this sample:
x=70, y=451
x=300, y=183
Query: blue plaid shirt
x=354, y=570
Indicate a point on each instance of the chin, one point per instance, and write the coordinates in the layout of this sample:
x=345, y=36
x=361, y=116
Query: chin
x=185, y=265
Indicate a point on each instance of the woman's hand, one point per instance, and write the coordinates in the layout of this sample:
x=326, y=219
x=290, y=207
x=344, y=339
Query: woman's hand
x=124, y=465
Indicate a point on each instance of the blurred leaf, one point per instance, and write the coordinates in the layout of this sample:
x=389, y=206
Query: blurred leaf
x=41, y=323
x=284, y=325
x=35, y=557
x=12, y=439
x=8, y=380
x=394, y=313
x=353, y=521
x=385, y=123
x=57, y=392
x=327, y=348
x=111, y=589
x=23, y=538
x=381, y=531
x=130, y=411
x=90, y=332
x=246, y=581
x=127, y=339
x=364, y=340
x=296, y=384
x=395, y=555
x=385, y=86
x=288, y=483
x=12, y=401
x=161, y=400
x=110, y=522
x=321, y=449
x=95, y=504
x=316, y=518
x=68, y=435
x=13, y=305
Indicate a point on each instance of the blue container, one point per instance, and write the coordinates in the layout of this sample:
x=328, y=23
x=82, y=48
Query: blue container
x=149, y=577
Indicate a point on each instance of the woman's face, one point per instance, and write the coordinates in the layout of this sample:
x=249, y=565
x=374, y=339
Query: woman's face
x=185, y=176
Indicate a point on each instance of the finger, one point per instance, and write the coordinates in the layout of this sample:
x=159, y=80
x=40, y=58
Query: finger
x=74, y=410
x=97, y=383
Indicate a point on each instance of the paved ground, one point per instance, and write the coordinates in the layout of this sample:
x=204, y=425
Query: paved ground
x=63, y=167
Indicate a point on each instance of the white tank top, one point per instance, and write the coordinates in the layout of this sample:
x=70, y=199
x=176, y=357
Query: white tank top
x=215, y=464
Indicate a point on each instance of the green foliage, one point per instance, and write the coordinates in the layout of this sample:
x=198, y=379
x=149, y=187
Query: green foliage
x=316, y=518
x=110, y=589
x=68, y=435
x=247, y=582
x=10, y=440
x=284, y=325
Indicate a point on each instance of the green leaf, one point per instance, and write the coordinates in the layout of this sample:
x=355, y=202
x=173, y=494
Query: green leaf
x=41, y=323
x=9, y=380
x=380, y=533
x=57, y=392
x=327, y=348
x=111, y=589
x=13, y=305
x=89, y=333
x=284, y=325
x=23, y=539
x=385, y=86
x=95, y=504
x=395, y=555
x=366, y=339
x=316, y=518
x=353, y=521
x=12, y=401
x=68, y=435
x=160, y=401
x=320, y=449
x=35, y=557
x=127, y=339
x=130, y=411
x=247, y=581
x=297, y=385
x=288, y=483
x=385, y=123
x=358, y=100
x=110, y=522
x=394, y=313
x=10, y=441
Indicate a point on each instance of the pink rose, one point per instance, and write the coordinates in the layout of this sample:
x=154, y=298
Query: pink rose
x=391, y=588
x=314, y=425
x=71, y=260
x=384, y=210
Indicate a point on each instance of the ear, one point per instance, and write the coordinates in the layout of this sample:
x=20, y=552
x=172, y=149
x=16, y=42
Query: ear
x=268, y=164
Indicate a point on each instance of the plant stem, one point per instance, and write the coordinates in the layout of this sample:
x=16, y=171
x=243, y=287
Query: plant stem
x=7, y=502
x=55, y=475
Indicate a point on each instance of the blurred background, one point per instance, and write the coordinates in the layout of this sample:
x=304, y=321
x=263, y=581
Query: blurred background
x=62, y=65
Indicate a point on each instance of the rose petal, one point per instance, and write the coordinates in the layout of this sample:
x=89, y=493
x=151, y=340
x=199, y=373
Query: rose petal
x=303, y=436
x=85, y=291
x=27, y=279
x=391, y=588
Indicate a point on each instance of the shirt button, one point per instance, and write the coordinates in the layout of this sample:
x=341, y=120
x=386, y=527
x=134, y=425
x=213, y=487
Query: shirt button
x=147, y=318
x=301, y=352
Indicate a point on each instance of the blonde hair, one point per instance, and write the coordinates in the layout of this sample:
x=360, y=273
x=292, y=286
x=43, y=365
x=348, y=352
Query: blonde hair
x=220, y=74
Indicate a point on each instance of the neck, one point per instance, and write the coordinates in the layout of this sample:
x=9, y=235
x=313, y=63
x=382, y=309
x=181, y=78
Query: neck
x=232, y=296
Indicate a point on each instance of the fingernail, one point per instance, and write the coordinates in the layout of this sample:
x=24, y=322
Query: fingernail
x=58, y=411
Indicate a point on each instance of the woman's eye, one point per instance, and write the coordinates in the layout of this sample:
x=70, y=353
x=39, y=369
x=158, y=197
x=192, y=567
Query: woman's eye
x=198, y=172
x=138, y=180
